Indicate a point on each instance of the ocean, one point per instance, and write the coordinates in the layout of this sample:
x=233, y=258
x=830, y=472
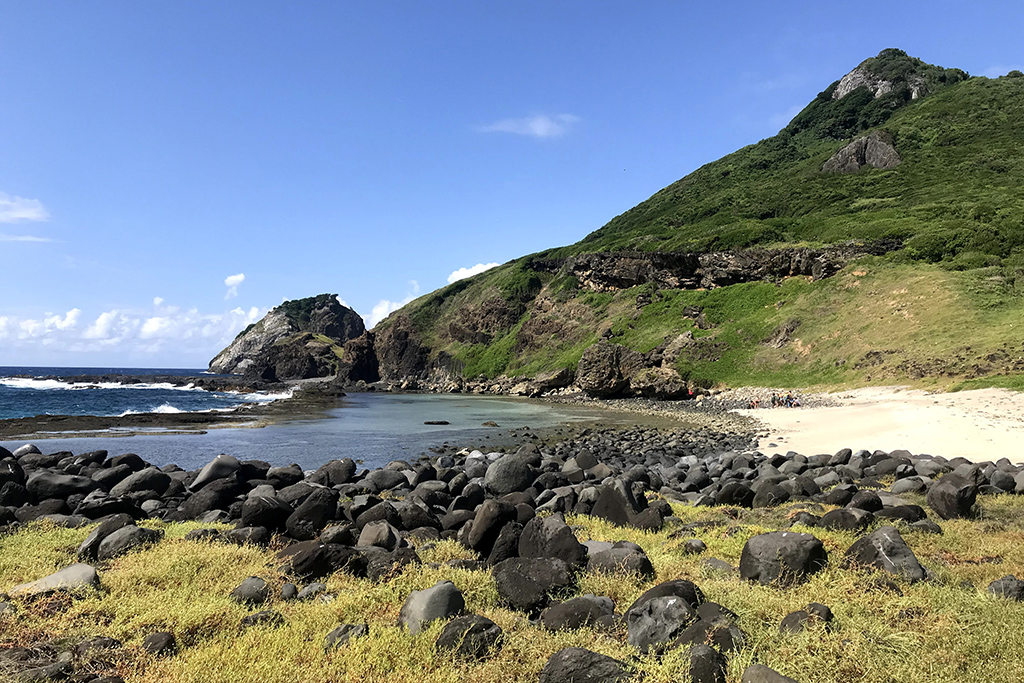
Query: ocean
x=25, y=393
x=370, y=428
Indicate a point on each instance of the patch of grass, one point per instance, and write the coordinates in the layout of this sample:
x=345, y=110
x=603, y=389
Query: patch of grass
x=938, y=631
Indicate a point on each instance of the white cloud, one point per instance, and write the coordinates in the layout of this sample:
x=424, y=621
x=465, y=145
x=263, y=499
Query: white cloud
x=385, y=307
x=129, y=332
x=540, y=126
x=22, y=238
x=232, y=282
x=15, y=209
x=463, y=273
x=158, y=301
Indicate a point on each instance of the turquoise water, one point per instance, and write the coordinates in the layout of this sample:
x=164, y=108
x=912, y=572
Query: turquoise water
x=372, y=428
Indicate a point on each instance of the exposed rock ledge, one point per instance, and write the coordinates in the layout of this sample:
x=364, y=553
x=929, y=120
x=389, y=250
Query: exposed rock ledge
x=874, y=149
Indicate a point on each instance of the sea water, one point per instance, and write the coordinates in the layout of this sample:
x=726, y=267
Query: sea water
x=371, y=428
x=27, y=392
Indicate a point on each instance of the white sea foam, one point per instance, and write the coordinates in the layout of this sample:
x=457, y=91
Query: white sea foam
x=166, y=409
x=53, y=384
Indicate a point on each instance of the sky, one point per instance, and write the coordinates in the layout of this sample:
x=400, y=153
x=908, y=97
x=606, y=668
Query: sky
x=170, y=171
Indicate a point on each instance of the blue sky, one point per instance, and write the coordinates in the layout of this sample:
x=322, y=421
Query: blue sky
x=172, y=170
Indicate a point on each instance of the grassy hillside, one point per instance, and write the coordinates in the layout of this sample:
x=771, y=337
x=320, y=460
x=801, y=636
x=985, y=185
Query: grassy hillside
x=940, y=309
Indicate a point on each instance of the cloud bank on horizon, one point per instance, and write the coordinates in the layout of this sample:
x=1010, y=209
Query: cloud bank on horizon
x=128, y=331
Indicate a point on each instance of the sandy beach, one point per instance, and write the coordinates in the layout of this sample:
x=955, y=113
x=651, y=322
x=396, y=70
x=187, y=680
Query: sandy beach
x=982, y=424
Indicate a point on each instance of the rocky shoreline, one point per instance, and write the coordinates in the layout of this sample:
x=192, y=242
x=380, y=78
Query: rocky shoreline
x=508, y=510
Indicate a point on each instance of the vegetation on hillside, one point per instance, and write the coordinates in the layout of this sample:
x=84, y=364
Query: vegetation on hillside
x=946, y=630
x=956, y=203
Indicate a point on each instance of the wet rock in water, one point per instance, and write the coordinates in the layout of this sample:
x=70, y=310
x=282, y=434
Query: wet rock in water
x=341, y=635
x=441, y=601
x=252, y=591
x=579, y=665
x=884, y=549
x=470, y=637
x=125, y=540
x=71, y=579
x=782, y=557
x=586, y=610
x=161, y=643
x=436, y=422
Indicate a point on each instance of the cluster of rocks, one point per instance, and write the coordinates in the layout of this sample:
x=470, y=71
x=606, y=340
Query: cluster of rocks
x=508, y=508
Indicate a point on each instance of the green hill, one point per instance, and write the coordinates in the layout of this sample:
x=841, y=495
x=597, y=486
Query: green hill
x=937, y=302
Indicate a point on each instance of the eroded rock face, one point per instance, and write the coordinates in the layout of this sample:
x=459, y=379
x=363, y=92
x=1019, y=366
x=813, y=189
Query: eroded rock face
x=874, y=149
x=400, y=355
x=254, y=350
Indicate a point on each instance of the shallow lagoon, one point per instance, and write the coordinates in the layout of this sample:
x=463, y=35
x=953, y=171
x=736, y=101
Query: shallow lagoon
x=372, y=428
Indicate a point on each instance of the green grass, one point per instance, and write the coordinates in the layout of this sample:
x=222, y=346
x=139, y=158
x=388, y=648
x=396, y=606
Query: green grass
x=937, y=631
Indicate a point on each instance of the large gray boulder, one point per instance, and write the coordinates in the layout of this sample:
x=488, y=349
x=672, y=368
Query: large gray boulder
x=508, y=474
x=884, y=549
x=578, y=665
x=149, y=479
x=470, y=637
x=441, y=601
x=91, y=545
x=126, y=539
x=599, y=373
x=44, y=485
x=551, y=537
x=658, y=622
x=782, y=557
x=220, y=467
x=526, y=584
x=874, y=150
x=69, y=580
x=952, y=497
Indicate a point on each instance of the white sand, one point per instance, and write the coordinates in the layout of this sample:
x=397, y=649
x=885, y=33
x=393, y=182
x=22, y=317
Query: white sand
x=983, y=424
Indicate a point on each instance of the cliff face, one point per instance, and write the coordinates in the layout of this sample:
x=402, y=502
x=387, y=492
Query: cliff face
x=299, y=339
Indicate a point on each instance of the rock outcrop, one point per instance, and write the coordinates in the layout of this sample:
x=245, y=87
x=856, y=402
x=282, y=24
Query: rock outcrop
x=296, y=340
x=611, y=271
x=874, y=149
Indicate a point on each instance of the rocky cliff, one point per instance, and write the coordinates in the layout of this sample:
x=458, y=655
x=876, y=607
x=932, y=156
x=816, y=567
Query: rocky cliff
x=299, y=339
